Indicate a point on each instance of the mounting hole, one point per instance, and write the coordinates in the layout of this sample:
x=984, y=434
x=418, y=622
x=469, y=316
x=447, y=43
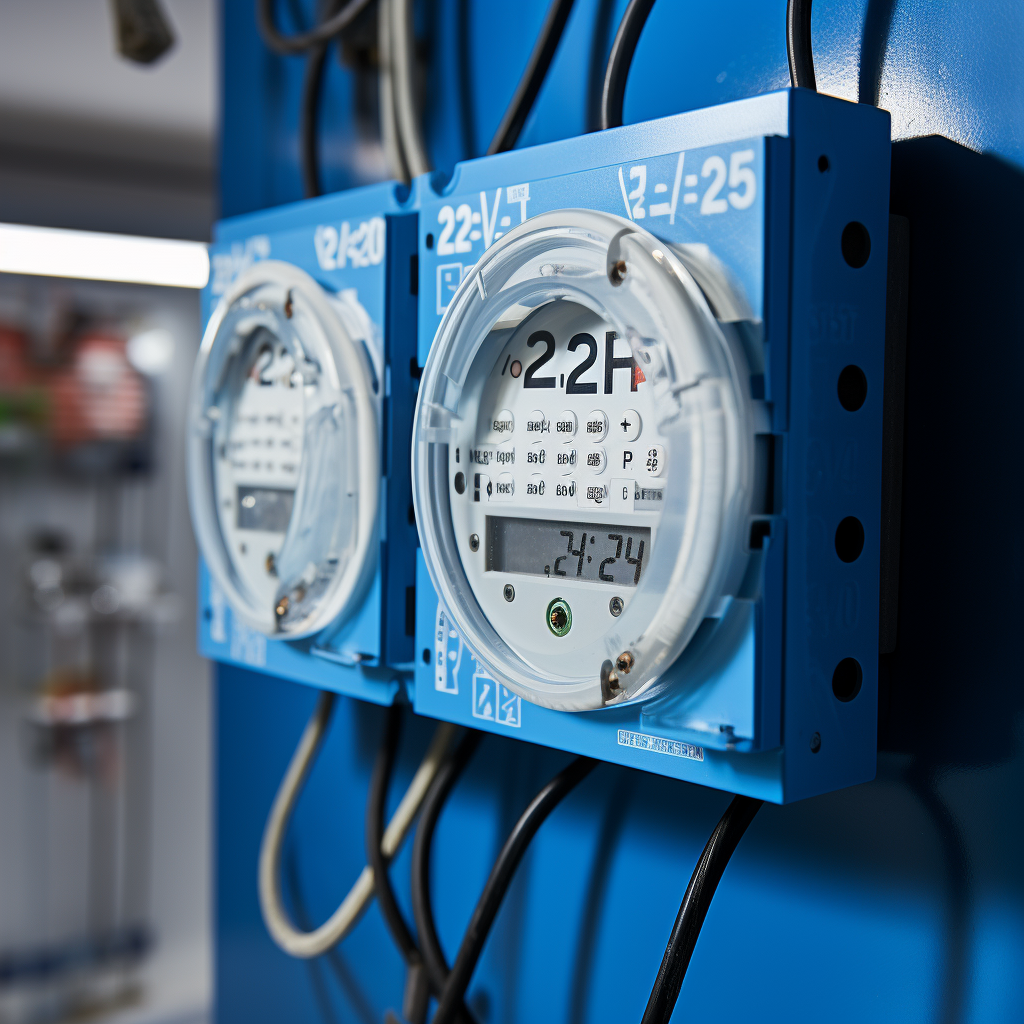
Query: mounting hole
x=430, y=241
x=852, y=388
x=615, y=606
x=823, y=167
x=846, y=679
x=816, y=737
x=509, y=593
x=426, y=655
x=849, y=539
x=474, y=542
x=856, y=244
x=460, y=483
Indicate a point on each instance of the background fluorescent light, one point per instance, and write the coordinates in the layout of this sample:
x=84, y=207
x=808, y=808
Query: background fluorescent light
x=92, y=256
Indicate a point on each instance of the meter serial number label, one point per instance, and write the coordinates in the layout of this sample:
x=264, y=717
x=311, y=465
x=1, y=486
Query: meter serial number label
x=582, y=551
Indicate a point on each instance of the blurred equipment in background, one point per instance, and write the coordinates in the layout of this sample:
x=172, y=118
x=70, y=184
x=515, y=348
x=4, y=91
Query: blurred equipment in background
x=143, y=32
x=86, y=599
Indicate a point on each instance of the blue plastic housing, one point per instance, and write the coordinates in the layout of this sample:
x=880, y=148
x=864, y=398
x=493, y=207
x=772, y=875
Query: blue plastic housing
x=369, y=654
x=821, y=164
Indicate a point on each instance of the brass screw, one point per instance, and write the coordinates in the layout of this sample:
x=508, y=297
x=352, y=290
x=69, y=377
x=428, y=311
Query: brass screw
x=289, y=307
x=617, y=272
x=624, y=662
x=282, y=607
x=613, y=681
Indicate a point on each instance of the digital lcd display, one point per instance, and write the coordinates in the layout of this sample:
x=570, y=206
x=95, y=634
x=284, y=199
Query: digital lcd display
x=580, y=551
x=264, y=508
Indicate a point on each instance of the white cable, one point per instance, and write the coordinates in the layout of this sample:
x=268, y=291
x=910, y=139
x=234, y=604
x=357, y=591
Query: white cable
x=402, y=45
x=388, y=126
x=337, y=926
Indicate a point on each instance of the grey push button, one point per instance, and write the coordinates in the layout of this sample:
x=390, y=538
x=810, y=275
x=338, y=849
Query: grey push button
x=566, y=460
x=503, y=424
x=535, y=486
x=565, y=425
x=504, y=487
x=655, y=460
x=597, y=426
x=537, y=426
x=593, y=496
x=629, y=427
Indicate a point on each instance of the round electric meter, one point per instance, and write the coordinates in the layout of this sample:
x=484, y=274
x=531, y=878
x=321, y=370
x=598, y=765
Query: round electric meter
x=283, y=450
x=583, y=460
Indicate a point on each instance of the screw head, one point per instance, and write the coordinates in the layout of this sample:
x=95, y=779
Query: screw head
x=282, y=607
x=617, y=272
x=615, y=606
x=624, y=662
x=474, y=542
x=509, y=592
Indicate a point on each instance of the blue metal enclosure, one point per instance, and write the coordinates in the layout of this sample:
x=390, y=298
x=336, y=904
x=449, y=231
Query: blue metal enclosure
x=901, y=899
x=329, y=237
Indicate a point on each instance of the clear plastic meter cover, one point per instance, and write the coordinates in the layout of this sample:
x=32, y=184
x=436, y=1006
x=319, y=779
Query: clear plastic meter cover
x=283, y=450
x=583, y=460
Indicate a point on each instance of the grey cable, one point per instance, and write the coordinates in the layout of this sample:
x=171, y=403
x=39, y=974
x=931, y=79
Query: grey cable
x=306, y=944
x=388, y=123
x=403, y=55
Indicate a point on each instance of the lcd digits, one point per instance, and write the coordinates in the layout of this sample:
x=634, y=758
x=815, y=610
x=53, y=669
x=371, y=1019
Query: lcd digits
x=591, y=552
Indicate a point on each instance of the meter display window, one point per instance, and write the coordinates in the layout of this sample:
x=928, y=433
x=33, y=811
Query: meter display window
x=584, y=460
x=283, y=453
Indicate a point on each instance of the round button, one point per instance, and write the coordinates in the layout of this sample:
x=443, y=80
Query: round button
x=597, y=459
x=655, y=460
x=504, y=487
x=597, y=426
x=537, y=426
x=566, y=459
x=565, y=488
x=503, y=423
x=565, y=425
x=629, y=426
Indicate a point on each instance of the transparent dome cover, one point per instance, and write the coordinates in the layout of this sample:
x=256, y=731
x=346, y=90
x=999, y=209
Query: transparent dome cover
x=284, y=450
x=579, y=526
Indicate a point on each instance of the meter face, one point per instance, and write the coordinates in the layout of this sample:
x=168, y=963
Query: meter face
x=283, y=460
x=557, y=480
x=259, y=455
x=582, y=459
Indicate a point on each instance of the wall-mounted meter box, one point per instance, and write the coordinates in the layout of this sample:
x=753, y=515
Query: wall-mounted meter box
x=647, y=452
x=298, y=442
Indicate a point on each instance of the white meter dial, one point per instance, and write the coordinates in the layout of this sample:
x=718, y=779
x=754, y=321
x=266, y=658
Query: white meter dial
x=583, y=460
x=284, y=464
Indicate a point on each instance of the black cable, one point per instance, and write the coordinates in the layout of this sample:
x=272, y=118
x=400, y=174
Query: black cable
x=422, y=908
x=533, y=77
x=416, y=991
x=376, y=810
x=303, y=41
x=498, y=882
x=309, y=136
x=798, y=44
x=694, y=908
x=619, y=60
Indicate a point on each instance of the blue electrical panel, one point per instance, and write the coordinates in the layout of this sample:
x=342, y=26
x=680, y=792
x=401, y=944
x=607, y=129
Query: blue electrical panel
x=360, y=244
x=788, y=193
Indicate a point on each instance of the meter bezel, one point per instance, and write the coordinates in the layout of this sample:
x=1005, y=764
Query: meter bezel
x=634, y=281
x=343, y=349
